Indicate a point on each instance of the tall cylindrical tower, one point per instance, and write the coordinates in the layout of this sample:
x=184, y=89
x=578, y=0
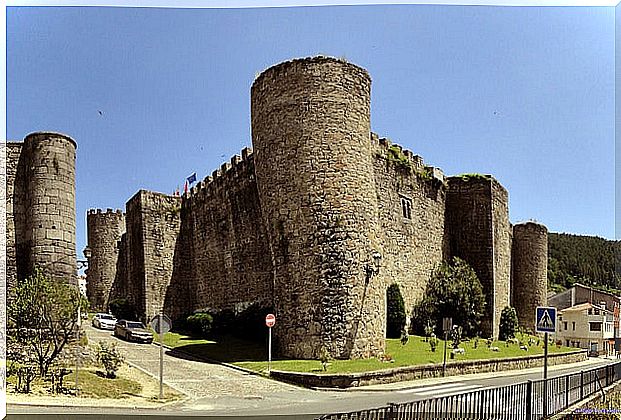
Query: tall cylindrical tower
x=313, y=162
x=51, y=197
x=104, y=233
x=530, y=270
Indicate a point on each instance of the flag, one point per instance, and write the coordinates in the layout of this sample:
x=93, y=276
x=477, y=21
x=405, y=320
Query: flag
x=192, y=178
x=185, y=187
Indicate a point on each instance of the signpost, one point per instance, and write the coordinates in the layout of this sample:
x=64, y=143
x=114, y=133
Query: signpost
x=161, y=324
x=270, y=321
x=545, y=322
x=447, y=325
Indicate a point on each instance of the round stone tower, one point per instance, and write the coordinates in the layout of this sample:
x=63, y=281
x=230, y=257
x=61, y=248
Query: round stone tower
x=530, y=270
x=104, y=233
x=313, y=162
x=51, y=197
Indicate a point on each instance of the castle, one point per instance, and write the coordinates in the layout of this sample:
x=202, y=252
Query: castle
x=317, y=221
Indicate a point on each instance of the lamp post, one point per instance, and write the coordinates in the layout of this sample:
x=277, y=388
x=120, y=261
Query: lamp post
x=80, y=264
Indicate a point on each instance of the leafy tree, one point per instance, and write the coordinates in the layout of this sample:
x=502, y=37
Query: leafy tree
x=42, y=316
x=455, y=291
x=508, y=323
x=395, y=319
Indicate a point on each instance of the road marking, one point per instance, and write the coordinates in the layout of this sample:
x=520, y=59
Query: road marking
x=454, y=388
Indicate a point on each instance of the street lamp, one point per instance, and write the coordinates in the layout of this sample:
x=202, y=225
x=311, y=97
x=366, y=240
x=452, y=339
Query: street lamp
x=373, y=266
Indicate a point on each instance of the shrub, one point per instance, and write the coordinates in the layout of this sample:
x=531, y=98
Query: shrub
x=454, y=290
x=109, y=358
x=395, y=320
x=122, y=309
x=250, y=323
x=508, y=324
x=200, y=323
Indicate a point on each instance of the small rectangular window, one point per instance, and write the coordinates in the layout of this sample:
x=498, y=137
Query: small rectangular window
x=406, y=207
x=573, y=326
x=595, y=326
x=565, y=325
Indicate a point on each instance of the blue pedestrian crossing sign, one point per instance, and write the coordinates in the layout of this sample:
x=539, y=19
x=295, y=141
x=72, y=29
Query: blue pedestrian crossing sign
x=545, y=319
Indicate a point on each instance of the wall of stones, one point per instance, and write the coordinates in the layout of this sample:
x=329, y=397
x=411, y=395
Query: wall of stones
x=478, y=223
x=224, y=238
x=135, y=254
x=160, y=221
x=413, y=247
x=104, y=231
x=502, y=240
x=51, y=203
x=530, y=270
x=314, y=168
x=40, y=199
x=15, y=215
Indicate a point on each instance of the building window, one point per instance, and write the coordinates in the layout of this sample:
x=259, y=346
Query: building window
x=406, y=207
x=595, y=326
x=573, y=326
x=565, y=325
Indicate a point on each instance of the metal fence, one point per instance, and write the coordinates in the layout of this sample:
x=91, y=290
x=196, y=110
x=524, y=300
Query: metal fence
x=530, y=400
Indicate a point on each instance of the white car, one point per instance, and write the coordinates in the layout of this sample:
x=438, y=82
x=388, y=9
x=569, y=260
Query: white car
x=104, y=321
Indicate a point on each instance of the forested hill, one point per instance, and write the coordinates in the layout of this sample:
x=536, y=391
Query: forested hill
x=585, y=259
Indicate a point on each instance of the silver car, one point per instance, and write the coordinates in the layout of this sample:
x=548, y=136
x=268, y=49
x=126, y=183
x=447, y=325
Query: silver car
x=104, y=321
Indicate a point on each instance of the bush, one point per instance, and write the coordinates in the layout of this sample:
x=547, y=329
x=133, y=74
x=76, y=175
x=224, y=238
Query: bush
x=200, y=323
x=395, y=319
x=109, y=358
x=453, y=291
x=508, y=324
x=250, y=323
x=122, y=309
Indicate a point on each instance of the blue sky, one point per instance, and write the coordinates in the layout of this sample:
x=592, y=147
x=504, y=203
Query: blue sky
x=525, y=94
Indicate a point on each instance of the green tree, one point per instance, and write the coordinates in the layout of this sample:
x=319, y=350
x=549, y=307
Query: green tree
x=508, y=323
x=42, y=317
x=395, y=319
x=455, y=291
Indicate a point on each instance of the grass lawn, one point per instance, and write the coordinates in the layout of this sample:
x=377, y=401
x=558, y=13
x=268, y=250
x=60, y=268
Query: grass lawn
x=252, y=355
x=96, y=385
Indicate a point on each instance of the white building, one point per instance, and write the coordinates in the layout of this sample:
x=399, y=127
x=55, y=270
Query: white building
x=587, y=326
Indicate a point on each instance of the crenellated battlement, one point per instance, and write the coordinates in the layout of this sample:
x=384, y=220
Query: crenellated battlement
x=108, y=211
x=228, y=172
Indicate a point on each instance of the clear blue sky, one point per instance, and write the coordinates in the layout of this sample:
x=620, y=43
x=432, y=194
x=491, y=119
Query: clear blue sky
x=525, y=94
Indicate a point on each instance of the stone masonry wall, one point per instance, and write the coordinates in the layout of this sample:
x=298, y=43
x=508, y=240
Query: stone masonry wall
x=134, y=254
x=50, y=213
x=314, y=167
x=228, y=244
x=40, y=200
x=15, y=215
x=104, y=230
x=502, y=240
x=160, y=214
x=413, y=247
x=476, y=212
x=530, y=270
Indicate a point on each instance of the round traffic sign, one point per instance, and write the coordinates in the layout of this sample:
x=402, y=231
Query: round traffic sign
x=270, y=320
x=162, y=328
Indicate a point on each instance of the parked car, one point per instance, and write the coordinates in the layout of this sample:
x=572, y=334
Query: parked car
x=104, y=321
x=132, y=331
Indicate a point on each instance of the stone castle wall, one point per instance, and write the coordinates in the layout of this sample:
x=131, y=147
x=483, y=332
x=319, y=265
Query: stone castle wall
x=296, y=224
x=104, y=230
x=530, y=270
x=40, y=198
x=314, y=168
x=413, y=247
x=226, y=241
x=478, y=225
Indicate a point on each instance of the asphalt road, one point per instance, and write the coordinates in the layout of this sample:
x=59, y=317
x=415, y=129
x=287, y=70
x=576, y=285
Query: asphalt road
x=215, y=390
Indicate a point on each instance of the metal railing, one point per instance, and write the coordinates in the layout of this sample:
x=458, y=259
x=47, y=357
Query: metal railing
x=530, y=400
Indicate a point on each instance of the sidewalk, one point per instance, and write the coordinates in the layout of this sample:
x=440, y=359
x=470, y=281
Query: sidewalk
x=398, y=386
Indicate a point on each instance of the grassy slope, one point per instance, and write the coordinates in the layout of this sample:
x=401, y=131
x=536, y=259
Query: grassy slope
x=416, y=352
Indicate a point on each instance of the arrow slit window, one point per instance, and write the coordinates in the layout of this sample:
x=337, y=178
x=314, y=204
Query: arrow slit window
x=406, y=207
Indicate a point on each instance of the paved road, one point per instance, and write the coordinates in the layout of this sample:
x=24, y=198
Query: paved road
x=212, y=387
